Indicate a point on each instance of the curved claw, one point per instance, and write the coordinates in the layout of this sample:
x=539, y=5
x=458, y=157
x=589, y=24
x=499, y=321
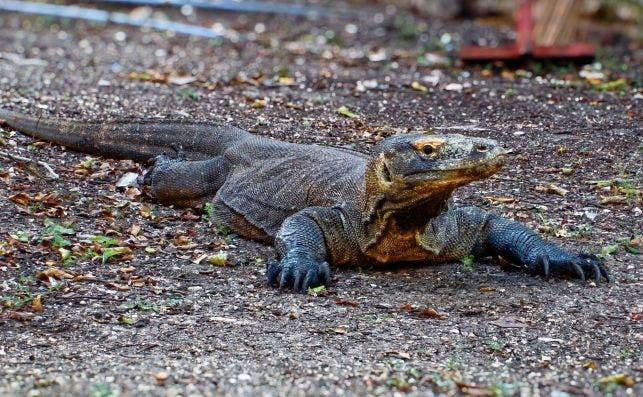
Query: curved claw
x=273, y=270
x=298, y=274
x=579, y=270
x=286, y=278
x=543, y=263
x=580, y=266
x=604, y=273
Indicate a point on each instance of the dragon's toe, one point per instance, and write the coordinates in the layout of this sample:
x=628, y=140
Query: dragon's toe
x=298, y=274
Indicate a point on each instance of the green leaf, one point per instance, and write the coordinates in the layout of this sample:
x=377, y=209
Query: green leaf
x=105, y=241
x=143, y=306
x=608, y=250
x=21, y=236
x=632, y=250
x=218, y=259
x=619, y=85
x=60, y=241
x=115, y=251
x=316, y=290
x=346, y=112
x=53, y=228
x=123, y=319
x=468, y=263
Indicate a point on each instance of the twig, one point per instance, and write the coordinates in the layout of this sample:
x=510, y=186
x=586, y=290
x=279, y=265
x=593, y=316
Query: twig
x=240, y=6
x=50, y=171
x=92, y=14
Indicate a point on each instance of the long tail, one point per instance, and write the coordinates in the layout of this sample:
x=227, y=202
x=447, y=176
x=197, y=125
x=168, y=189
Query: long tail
x=136, y=140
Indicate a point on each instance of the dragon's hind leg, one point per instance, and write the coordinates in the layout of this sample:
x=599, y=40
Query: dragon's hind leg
x=184, y=182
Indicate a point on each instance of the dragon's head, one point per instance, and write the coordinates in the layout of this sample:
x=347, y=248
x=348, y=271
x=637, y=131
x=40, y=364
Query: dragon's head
x=426, y=165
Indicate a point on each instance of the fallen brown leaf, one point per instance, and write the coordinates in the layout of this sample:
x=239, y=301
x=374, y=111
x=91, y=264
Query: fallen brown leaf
x=20, y=316
x=591, y=364
x=117, y=286
x=341, y=329
x=53, y=272
x=344, y=302
x=501, y=200
x=36, y=303
x=613, y=200
x=430, y=312
x=20, y=198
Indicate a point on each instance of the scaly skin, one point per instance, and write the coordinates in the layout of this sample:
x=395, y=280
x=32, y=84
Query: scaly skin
x=324, y=206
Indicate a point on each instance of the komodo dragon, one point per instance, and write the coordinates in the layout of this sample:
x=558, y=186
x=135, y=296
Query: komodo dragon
x=320, y=204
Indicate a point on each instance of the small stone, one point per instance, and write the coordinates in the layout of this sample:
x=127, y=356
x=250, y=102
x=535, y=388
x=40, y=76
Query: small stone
x=454, y=87
x=127, y=180
x=161, y=377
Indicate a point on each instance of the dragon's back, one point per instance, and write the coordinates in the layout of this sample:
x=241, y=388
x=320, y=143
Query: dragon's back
x=271, y=180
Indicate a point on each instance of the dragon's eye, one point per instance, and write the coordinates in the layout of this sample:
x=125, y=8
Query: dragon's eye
x=481, y=148
x=428, y=149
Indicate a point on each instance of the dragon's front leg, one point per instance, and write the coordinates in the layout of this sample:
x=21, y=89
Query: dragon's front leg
x=306, y=242
x=464, y=231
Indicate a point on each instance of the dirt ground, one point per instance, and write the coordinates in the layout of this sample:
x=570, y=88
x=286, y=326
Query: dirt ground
x=105, y=293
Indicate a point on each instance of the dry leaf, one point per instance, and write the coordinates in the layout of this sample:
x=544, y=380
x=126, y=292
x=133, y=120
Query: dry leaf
x=180, y=80
x=181, y=240
x=621, y=379
x=501, y=200
x=613, y=200
x=292, y=105
x=286, y=81
x=135, y=229
x=53, y=272
x=117, y=286
x=20, y=198
x=146, y=211
x=430, y=312
x=591, y=364
x=20, y=316
x=148, y=75
x=418, y=87
x=551, y=188
x=36, y=303
x=341, y=329
x=258, y=104
x=344, y=302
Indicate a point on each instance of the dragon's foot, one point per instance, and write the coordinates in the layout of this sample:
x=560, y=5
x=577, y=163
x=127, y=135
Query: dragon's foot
x=159, y=164
x=578, y=266
x=298, y=273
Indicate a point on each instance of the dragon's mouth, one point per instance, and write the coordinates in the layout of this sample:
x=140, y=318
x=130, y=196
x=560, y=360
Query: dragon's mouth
x=384, y=172
x=457, y=175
